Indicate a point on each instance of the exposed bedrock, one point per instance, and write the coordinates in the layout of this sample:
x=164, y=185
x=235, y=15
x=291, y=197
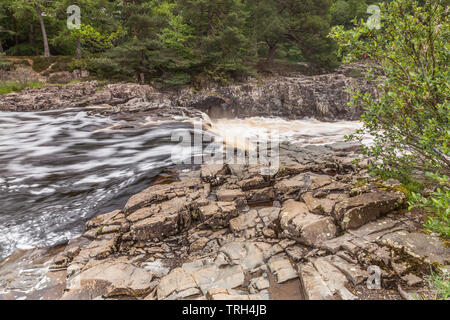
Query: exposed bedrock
x=323, y=97
x=312, y=232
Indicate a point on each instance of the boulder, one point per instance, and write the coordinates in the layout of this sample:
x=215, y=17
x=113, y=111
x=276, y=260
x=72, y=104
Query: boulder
x=213, y=173
x=256, y=182
x=306, y=228
x=357, y=211
x=283, y=270
x=289, y=188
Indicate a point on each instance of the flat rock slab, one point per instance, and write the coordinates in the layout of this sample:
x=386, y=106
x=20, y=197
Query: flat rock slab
x=419, y=245
x=160, y=193
x=177, y=281
x=110, y=278
x=229, y=195
x=223, y=277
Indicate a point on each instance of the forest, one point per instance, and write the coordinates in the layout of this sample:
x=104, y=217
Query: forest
x=177, y=42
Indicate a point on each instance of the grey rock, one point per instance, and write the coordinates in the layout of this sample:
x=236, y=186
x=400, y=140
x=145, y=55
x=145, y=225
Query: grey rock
x=418, y=245
x=357, y=211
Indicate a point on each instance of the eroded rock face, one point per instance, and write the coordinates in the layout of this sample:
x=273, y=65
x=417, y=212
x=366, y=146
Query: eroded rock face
x=229, y=232
x=321, y=97
x=81, y=94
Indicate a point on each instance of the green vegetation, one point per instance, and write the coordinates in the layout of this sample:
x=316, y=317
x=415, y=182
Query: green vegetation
x=177, y=42
x=409, y=120
x=4, y=64
x=438, y=204
x=13, y=86
x=440, y=284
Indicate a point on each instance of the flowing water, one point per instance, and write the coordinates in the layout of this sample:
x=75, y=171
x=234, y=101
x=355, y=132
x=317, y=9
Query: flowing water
x=60, y=168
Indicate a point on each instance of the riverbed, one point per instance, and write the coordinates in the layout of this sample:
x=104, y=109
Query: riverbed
x=60, y=168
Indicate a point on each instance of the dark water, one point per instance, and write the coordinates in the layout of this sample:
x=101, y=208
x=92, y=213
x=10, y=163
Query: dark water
x=58, y=169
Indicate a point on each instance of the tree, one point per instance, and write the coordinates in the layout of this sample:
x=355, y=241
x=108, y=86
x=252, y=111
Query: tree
x=3, y=26
x=101, y=26
x=223, y=38
x=271, y=22
x=25, y=10
x=309, y=27
x=409, y=120
x=344, y=11
x=37, y=6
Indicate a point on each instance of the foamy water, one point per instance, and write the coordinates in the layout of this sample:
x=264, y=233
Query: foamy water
x=307, y=132
x=60, y=168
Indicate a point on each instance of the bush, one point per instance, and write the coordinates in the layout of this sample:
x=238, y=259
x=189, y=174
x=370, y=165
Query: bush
x=105, y=68
x=438, y=204
x=409, y=119
x=23, y=49
x=57, y=63
x=77, y=64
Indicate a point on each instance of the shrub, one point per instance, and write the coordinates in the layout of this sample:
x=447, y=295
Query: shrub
x=57, y=63
x=23, y=49
x=438, y=204
x=104, y=68
x=409, y=119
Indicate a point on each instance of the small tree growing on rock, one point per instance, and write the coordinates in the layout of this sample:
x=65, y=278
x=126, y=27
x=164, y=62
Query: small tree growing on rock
x=409, y=120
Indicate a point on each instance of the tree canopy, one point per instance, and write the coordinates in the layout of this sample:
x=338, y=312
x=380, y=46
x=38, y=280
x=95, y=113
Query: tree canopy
x=177, y=41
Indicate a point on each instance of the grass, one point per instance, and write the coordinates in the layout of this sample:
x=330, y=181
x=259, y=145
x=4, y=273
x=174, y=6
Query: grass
x=15, y=86
x=440, y=284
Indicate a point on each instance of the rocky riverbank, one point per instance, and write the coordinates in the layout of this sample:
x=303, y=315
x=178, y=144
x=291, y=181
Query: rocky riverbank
x=318, y=229
x=323, y=97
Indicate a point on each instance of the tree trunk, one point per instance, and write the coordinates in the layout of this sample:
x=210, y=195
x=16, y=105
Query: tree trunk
x=31, y=36
x=44, y=33
x=16, y=33
x=78, y=48
x=1, y=47
x=271, y=53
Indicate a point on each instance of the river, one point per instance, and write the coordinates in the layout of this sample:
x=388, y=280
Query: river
x=61, y=168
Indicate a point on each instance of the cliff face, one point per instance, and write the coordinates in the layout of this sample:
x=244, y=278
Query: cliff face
x=323, y=97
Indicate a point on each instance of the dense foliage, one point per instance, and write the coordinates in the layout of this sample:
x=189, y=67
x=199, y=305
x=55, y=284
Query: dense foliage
x=177, y=41
x=409, y=120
